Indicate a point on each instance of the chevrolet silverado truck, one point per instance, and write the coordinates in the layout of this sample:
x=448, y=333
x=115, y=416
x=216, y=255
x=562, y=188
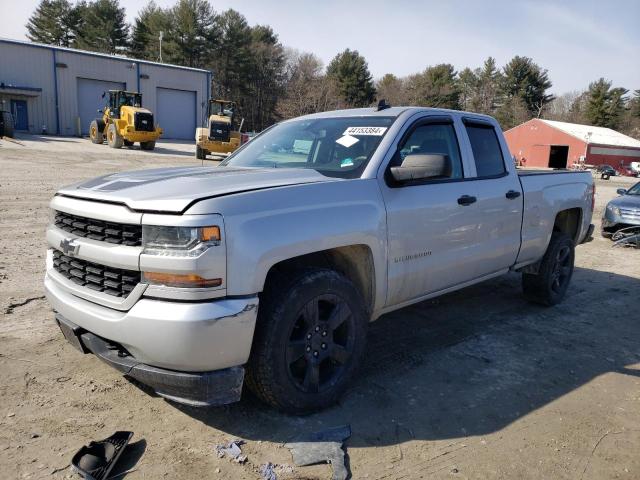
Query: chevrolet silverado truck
x=267, y=269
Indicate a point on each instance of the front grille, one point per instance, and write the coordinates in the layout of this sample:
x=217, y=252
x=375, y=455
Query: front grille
x=112, y=281
x=122, y=234
x=220, y=131
x=631, y=213
x=143, y=122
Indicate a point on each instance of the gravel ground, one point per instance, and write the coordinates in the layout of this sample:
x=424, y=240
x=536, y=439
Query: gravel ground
x=475, y=384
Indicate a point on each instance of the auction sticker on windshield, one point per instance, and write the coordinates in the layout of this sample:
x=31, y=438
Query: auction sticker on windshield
x=374, y=131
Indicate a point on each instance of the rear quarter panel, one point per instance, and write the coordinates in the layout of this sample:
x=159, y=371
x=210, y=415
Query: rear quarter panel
x=545, y=195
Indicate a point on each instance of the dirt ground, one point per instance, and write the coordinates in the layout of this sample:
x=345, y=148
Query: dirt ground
x=476, y=384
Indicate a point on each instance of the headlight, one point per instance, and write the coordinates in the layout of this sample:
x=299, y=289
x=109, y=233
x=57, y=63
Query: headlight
x=615, y=210
x=178, y=241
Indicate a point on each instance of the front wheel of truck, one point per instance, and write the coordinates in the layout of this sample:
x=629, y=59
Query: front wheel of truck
x=549, y=285
x=309, y=341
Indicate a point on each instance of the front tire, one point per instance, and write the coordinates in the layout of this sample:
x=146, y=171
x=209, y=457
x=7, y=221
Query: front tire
x=113, y=137
x=148, y=145
x=309, y=342
x=201, y=153
x=96, y=132
x=549, y=286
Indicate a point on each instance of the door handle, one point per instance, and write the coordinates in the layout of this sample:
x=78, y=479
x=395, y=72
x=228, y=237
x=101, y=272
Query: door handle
x=511, y=194
x=466, y=200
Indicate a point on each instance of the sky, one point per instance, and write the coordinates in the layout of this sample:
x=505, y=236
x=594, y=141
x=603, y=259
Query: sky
x=576, y=41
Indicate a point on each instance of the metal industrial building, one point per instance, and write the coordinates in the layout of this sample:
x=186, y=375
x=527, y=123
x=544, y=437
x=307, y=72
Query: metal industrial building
x=547, y=143
x=58, y=90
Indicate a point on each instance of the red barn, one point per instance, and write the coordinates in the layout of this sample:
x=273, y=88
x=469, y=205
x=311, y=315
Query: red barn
x=547, y=143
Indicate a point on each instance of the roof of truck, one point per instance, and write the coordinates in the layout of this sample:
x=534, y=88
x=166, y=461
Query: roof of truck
x=387, y=112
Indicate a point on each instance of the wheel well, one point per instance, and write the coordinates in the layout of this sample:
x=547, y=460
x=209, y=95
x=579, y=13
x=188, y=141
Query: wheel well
x=568, y=222
x=354, y=262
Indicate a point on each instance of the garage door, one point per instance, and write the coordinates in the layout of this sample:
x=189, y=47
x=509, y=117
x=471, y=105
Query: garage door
x=176, y=113
x=90, y=99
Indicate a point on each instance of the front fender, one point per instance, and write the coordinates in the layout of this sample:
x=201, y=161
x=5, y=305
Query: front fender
x=269, y=226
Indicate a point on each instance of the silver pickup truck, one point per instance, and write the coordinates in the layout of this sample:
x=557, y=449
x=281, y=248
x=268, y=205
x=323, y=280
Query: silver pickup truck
x=269, y=267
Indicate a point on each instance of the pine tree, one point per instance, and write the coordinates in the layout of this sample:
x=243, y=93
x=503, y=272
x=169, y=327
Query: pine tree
x=231, y=57
x=52, y=23
x=391, y=89
x=605, y=105
x=488, y=93
x=265, y=79
x=192, y=32
x=104, y=28
x=351, y=73
x=145, y=35
x=468, y=84
x=435, y=87
x=524, y=79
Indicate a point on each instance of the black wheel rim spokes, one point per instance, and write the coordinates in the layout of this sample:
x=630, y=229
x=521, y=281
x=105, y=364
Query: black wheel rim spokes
x=561, y=269
x=320, y=343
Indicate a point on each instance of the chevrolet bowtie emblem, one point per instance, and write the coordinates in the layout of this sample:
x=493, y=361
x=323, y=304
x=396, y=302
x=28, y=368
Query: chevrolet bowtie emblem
x=69, y=247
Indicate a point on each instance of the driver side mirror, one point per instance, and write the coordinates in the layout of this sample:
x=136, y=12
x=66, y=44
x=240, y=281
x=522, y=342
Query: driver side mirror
x=422, y=167
x=621, y=191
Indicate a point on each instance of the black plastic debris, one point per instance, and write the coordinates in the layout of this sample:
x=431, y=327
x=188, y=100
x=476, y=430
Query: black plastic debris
x=95, y=461
x=322, y=447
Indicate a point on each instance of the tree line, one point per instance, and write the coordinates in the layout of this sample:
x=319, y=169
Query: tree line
x=269, y=81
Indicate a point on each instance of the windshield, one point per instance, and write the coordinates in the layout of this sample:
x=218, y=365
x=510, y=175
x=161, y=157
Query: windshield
x=131, y=99
x=335, y=147
x=635, y=190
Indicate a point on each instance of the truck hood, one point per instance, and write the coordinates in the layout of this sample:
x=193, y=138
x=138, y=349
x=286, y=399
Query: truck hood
x=173, y=190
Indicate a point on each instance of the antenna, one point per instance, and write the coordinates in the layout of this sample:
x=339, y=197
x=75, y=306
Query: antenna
x=382, y=105
x=160, y=56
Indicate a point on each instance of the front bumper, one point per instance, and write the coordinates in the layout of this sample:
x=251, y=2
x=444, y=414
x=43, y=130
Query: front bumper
x=180, y=336
x=612, y=222
x=197, y=389
x=134, y=135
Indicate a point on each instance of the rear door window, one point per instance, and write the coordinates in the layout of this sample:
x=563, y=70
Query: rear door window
x=487, y=153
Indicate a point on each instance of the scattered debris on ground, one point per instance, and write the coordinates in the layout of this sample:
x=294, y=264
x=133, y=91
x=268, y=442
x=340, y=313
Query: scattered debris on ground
x=323, y=447
x=13, y=305
x=96, y=460
x=232, y=450
x=267, y=472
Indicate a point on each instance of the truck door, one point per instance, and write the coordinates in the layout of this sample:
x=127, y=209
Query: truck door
x=499, y=199
x=432, y=230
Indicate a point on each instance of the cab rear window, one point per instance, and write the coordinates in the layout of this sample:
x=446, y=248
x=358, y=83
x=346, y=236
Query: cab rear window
x=487, y=153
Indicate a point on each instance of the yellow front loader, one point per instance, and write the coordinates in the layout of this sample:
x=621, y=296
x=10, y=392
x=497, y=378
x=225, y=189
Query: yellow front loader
x=125, y=122
x=219, y=138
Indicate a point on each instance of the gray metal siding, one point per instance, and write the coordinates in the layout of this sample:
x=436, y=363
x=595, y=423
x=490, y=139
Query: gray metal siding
x=32, y=65
x=90, y=99
x=88, y=67
x=176, y=113
x=24, y=66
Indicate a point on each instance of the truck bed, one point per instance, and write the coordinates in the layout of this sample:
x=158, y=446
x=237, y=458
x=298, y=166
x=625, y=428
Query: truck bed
x=544, y=171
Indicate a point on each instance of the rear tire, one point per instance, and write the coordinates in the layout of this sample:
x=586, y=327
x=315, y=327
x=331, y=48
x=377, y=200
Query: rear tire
x=201, y=153
x=309, y=341
x=148, y=145
x=96, y=132
x=113, y=137
x=549, y=286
